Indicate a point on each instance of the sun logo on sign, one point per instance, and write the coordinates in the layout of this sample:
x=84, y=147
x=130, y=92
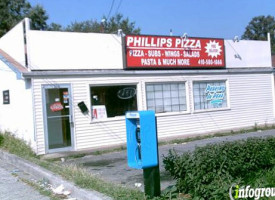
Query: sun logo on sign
x=213, y=49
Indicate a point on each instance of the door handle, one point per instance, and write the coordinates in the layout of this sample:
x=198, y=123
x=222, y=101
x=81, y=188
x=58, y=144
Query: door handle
x=71, y=121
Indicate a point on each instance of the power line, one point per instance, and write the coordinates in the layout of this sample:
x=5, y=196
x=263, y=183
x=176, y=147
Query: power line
x=119, y=4
x=112, y=5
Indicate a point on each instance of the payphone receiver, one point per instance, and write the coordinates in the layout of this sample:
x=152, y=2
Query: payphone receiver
x=138, y=142
x=138, y=134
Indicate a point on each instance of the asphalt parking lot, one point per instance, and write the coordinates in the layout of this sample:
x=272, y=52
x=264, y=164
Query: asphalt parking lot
x=113, y=167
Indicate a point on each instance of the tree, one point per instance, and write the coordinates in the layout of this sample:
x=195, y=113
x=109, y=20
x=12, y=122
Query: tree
x=258, y=28
x=107, y=25
x=13, y=11
x=54, y=27
x=84, y=26
x=117, y=22
x=38, y=18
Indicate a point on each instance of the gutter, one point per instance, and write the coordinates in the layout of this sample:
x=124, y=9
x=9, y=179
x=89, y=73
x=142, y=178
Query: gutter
x=119, y=72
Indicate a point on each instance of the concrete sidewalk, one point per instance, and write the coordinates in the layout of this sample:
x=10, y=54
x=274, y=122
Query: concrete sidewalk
x=113, y=166
x=12, y=187
x=55, y=180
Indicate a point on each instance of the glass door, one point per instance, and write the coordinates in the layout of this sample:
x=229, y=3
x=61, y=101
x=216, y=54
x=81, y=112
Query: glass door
x=58, y=118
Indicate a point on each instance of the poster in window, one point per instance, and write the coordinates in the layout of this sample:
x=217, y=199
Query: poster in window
x=6, y=97
x=215, y=94
x=99, y=112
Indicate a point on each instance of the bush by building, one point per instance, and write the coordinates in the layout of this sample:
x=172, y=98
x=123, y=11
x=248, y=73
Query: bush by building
x=209, y=172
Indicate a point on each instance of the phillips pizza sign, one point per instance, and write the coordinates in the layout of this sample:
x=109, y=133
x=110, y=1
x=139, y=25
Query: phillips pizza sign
x=162, y=52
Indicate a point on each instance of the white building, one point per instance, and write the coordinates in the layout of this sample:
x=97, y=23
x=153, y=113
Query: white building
x=47, y=76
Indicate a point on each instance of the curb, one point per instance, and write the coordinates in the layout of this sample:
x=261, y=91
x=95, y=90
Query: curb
x=56, y=180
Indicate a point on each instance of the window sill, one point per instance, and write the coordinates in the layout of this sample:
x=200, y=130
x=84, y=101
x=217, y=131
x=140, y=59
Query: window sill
x=110, y=119
x=212, y=110
x=172, y=113
x=119, y=118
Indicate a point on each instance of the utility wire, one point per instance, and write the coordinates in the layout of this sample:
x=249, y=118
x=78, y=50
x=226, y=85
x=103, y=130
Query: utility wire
x=119, y=4
x=112, y=5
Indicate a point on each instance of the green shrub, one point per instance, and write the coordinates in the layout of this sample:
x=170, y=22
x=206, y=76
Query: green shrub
x=208, y=172
x=1, y=139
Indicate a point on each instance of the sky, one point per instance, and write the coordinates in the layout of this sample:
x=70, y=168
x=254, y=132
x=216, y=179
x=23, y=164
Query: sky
x=197, y=18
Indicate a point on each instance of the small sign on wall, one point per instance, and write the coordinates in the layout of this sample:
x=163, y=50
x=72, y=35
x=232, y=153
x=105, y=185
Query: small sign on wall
x=99, y=112
x=6, y=97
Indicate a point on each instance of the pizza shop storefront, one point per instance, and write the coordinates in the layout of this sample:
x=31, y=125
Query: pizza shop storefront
x=191, y=86
x=195, y=86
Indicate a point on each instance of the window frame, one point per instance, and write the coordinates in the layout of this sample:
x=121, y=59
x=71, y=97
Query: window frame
x=170, y=113
x=120, y=117
x=228, y=107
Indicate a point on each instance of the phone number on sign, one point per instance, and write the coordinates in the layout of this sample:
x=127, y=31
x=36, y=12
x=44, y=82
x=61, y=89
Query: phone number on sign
x=210, y=62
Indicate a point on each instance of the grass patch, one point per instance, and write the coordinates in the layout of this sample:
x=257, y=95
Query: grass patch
x=84, y=179
x=75, y=155
x=73, y=173
x=41, y=190
x=16, y=146
x=100, y=152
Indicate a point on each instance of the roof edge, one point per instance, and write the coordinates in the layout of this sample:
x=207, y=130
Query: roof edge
x=13, y=64
x=112, y=72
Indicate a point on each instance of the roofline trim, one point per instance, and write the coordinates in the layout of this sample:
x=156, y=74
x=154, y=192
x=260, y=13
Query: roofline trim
x=108, y=73
x=13, y=64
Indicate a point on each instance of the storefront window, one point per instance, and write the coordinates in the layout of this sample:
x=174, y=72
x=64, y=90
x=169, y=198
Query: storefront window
x=112, y=101
x=210, y=95
x=166, y=97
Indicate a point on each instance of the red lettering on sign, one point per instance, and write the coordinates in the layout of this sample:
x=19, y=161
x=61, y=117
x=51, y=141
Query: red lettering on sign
x=57, y=106
x=173, y=52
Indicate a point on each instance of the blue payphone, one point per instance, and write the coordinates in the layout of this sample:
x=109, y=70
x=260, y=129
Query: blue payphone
x=142, y=146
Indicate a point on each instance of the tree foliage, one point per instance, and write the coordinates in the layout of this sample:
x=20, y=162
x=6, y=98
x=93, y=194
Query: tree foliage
x=38, y=18
x=13, y=11
x=54, y=27
x=107, y=25
x=258, y=28
x=84, y=26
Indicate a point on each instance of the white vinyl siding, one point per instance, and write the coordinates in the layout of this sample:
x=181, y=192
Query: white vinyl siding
x=250, y=102
x=17, y=116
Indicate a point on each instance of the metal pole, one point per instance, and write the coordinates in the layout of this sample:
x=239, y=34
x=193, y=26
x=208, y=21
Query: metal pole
x=151, y=177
